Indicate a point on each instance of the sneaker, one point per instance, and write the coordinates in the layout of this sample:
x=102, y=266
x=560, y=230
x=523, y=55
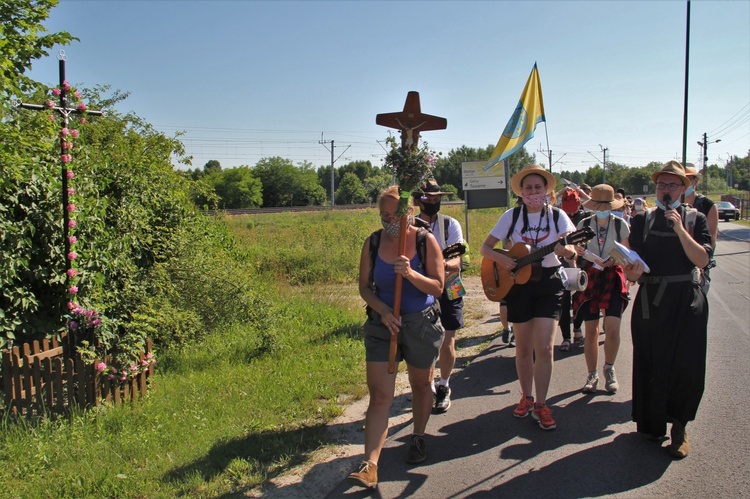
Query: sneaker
x=512, y=342
x=504, y=335
x=366, y=474
x=543, y=414
x=417, y=450
x=525, y=406
x=592, y=381
x=610, y=384
x=442, y=399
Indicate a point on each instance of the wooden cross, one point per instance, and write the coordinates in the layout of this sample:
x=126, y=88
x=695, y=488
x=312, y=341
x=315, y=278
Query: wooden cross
x=65, y=111
x=411, y=121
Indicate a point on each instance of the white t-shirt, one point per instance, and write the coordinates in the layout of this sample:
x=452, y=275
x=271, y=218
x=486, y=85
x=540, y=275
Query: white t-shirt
x=455, y=234
x=540, y=232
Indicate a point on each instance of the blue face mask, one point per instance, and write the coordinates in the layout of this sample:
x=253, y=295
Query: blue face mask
x=601, y=215
x=689, y=190
x=661, y=205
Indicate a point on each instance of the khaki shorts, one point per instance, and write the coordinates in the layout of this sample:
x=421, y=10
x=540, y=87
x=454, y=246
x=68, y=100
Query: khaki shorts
x=419, y=338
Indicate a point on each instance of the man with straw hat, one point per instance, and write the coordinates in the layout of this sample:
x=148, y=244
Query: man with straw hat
x=670, y=312
x=607, y=287
x=535, y=308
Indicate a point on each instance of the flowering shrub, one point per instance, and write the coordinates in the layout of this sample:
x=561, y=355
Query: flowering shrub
x=411, y=166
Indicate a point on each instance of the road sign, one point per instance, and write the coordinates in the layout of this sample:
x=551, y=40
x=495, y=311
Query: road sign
x=473, y=176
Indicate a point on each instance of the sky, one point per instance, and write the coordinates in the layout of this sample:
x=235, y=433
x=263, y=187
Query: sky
x=246, y=80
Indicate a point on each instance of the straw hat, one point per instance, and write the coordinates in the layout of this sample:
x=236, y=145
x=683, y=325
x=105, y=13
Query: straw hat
x=673, y=168
x=691, y=170
x=603, y=198
x=515, y=181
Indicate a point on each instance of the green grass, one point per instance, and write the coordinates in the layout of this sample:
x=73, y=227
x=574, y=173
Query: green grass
x=240, y=406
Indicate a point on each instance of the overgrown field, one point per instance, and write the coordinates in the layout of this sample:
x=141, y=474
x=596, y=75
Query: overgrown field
x=241, y=405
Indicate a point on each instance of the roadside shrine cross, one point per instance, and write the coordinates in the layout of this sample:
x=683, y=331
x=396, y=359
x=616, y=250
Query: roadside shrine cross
x=65, y=111
x=411, y=121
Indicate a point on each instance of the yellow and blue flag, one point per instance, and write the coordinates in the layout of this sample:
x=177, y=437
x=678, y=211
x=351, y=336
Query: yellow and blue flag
x=529, y=112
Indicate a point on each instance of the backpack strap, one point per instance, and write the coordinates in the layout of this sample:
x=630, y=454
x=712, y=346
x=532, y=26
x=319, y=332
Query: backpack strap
x=446, y=225
x=374, y=245
x=516, y=214
x=687, y=213
x=556, y=217
x=422, y=247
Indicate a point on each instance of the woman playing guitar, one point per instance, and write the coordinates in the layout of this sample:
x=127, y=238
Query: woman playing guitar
x=534, y=308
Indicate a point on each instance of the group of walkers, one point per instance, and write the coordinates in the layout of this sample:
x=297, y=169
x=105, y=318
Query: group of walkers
x=668, y=329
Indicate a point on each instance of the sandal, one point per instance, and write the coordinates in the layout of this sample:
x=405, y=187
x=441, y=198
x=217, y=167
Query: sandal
x=565, y=346
x=578, y=340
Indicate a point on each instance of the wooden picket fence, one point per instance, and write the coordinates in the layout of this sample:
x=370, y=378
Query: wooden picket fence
x=41, y=378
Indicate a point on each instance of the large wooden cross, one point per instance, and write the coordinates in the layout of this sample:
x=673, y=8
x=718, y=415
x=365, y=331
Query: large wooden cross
x=65, y=111
x=410, y=122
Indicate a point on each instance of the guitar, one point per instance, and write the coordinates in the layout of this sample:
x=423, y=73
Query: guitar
x=499, y=283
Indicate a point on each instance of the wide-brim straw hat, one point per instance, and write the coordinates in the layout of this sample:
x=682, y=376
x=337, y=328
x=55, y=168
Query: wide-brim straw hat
x=673, y=168
x=691, y=170
x=603, y=198
x=515, y=181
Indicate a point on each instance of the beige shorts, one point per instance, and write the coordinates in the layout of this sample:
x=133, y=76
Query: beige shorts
x=419, y=338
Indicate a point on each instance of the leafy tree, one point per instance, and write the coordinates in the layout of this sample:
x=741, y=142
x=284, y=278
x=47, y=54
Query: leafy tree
x=238, y=188
x=351, y=190
x=287, y=185
x=377, y=183
x=212, y=166
x=22, y=40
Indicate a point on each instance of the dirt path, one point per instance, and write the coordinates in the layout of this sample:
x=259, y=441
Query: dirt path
x=329, y=465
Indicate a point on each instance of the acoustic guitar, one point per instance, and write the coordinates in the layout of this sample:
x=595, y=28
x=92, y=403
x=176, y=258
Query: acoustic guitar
x=499, y=283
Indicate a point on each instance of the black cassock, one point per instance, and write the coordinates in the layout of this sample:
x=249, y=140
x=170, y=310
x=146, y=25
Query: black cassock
x=669, y=338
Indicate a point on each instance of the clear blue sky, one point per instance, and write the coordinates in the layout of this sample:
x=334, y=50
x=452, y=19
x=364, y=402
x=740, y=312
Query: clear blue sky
x=253, y=79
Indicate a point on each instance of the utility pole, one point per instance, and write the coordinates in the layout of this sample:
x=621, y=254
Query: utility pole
x=333, y=161
x=545, y=152
x=704, y=145
x=604, y=163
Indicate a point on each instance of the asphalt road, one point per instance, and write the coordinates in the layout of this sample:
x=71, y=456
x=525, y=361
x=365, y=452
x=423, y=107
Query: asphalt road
x=478, y=449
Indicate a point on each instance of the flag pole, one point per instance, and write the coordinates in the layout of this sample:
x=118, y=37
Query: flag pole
x=549, y=153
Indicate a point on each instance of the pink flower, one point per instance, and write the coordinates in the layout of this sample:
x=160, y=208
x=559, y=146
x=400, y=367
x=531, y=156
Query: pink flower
x=70, y=146
x=71, y=207
x=81, y=107
x=74, y=133
x=73, y=290
x=71, y=191
x=72, y=305
x=133, y=367
x=52, y=117
x=78, y=310
x=66, y=158
x=89, y=313
x=149, y=355
x=70, y=174
x=77, y=94
x=73, y=325
x=72, y=240
x=83, y=120
x=124, y=377
x=144, y=363
x=64, y=132
x=95, y=323
x=101, y=367
x=72, y=223
x=56, y=92
x=72, y=255
x=110, y=376
x=72, y=272
x=50, y=103
x=66, y=85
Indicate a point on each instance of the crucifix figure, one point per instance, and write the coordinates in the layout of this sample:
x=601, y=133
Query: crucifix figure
x=66, y=144
x=411, y=121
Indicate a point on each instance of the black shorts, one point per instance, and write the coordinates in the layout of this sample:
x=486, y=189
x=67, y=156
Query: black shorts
x=616, y=308
x=538, y=299
x=451, y=313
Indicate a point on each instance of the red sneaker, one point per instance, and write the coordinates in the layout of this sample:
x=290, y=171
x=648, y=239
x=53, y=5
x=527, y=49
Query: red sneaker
x=525, y=406
x=543, y=414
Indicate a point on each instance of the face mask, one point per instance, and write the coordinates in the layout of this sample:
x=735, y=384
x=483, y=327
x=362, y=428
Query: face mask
x=664, y=208
x=534, y=201
x=637, y=207
x=689, y=190
x=430, y=209
x=602, y=214
x=393, y=229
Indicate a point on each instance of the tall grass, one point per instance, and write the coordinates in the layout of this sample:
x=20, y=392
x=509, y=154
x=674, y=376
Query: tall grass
x=239, y=406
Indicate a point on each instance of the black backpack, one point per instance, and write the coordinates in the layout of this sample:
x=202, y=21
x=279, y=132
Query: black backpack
x=375, y=244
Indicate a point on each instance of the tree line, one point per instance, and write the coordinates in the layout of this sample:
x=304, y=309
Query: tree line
x=275, y=181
